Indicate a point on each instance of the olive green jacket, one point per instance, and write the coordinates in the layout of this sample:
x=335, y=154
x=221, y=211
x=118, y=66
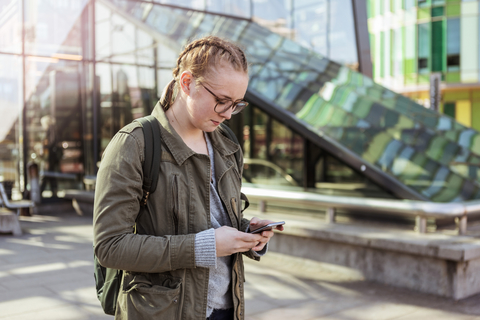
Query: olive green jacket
x=161, y=280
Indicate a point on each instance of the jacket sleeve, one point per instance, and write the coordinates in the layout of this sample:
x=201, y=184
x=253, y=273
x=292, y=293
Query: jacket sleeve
x=117, y=202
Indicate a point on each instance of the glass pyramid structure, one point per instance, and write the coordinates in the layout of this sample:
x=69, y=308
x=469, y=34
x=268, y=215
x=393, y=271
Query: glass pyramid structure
x=415, y=152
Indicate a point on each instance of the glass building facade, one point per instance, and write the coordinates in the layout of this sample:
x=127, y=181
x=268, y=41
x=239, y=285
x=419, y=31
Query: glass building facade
x=411, y=39
x=88, y=68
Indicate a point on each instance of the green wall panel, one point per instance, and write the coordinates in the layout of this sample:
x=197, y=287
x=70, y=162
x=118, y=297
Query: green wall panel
x=452, y=77
x=423, y=13
x=453, y=10
x=456, y=95
x=437, y=12
x=438, y=46
x=411, y=78
x=423, y=79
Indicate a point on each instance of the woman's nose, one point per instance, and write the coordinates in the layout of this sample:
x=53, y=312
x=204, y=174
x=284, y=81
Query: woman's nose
x=227, y=114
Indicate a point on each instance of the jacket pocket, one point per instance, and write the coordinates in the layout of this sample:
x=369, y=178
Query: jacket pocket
x=175, y=202
x=151, y=296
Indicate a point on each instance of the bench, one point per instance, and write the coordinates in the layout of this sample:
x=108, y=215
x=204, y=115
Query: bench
x=14, y=205
x=9, y=222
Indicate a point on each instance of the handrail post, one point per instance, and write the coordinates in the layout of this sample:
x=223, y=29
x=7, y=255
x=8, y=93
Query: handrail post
x=262, y=206
x=421, y=224
x=330, y=215
x=462, y=225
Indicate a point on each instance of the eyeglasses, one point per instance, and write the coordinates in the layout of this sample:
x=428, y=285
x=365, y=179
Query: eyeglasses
x=225, y=104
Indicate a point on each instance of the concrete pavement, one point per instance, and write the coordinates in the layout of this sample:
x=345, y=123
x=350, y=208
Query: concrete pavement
x=47, y=273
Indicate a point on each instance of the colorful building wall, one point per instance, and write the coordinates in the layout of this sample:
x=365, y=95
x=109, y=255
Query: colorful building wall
x=410, y=39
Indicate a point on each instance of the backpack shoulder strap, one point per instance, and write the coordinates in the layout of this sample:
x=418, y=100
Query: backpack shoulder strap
x=153, y=154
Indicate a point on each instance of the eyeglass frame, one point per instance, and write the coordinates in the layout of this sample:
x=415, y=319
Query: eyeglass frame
x=233, y=105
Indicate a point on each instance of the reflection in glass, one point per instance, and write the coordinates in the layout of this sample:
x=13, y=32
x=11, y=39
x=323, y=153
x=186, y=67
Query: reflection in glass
x=238, y=8
x=55, y=28
x=10, y=124
x=54, y=121
x=286, y=150
x=127, y=92
x=11, y=26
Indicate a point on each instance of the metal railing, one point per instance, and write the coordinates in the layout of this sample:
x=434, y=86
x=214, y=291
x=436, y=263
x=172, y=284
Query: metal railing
x=421, y=210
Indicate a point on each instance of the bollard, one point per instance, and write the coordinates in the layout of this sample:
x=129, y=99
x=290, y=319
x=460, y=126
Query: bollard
x=421, y=224
x=35, y=195
x=462, y=225
x=262, y=207
x=330, y=215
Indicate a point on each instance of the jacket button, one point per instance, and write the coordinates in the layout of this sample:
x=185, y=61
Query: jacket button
x=240, y=285
x=175, y=301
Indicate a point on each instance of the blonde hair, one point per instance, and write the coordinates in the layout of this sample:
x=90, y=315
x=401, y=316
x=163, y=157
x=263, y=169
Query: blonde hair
x=201, y=57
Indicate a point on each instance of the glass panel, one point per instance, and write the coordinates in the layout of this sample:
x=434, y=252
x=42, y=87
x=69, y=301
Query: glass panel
x=417, y=146
x=409, y=4
x=387, y=54
x=286, y=151
x=238, y=8
x=11, y=26
x=54, y=121
x=11, y=158
x=278, y=14
x=398, y=52
x=121, y=39
x=423, y=47
x=410, y=50
x=342, y=45
x=126, y=93
x=55, y=28
x=312, y=22
x=469, y=58
x=194, y=4
x=259, y=134
x=453, y=44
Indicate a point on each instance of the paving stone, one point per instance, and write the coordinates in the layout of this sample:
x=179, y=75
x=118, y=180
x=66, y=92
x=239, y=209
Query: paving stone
x=48, y=274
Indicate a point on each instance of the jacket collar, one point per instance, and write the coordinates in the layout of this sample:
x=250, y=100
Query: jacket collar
x=179, y=150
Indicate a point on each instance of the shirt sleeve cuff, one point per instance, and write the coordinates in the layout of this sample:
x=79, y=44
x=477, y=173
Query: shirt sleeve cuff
x=260, y=253
x=205, y=249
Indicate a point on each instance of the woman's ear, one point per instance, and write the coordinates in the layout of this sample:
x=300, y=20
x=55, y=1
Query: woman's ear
x=186, y=80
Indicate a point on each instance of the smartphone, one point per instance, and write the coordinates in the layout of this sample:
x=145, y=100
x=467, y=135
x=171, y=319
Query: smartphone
x=268, y=227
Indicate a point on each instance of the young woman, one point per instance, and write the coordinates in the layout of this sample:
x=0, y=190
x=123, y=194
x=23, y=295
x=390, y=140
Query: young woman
x=185, y=261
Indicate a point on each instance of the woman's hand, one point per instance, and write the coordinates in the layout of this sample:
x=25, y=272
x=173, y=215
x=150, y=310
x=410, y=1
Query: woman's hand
x=256, y=223
x=229, y=240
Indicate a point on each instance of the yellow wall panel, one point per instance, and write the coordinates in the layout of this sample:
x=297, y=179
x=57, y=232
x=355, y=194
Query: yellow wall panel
x=463, y=112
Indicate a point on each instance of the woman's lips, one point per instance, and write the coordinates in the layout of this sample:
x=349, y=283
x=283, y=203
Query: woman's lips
x=216, y=122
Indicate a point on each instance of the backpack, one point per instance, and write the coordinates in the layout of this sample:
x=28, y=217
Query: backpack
x=107, y=280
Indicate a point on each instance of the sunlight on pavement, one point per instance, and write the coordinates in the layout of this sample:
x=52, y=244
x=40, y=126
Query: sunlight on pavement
x=37, y=242
x=50, y=267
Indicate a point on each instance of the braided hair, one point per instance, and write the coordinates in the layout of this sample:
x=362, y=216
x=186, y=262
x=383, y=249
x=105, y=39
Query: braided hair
x=201, y=57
